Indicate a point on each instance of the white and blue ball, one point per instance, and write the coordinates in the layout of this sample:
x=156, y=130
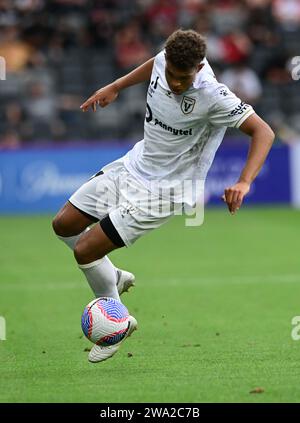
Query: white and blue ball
x=105, y=321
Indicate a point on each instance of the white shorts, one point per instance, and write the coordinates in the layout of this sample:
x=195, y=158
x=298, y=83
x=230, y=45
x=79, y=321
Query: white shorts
x=132, y=208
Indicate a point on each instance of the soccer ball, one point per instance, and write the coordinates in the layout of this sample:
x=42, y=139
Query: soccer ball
x=104, y=321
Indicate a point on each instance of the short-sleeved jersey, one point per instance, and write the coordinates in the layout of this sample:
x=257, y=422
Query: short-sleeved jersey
x=183, y=132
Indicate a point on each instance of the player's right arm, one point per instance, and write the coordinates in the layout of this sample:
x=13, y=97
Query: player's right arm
x=227, y=110
x=109, y=93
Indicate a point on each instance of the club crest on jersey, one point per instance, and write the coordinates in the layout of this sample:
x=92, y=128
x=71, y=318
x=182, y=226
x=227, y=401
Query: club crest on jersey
x=187, y=104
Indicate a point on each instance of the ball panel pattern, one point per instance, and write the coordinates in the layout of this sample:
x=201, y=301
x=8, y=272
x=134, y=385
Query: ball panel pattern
x=105, y=321
x=113, y=338
x=87, y=322
x=112, y=309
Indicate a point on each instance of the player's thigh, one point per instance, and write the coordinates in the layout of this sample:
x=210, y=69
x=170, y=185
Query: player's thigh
x=93, y=245
x=131, y=223
x=71, y=221
x=98, y=195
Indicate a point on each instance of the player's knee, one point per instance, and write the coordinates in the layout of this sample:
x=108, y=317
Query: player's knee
x=56, y=225
x=59, y=227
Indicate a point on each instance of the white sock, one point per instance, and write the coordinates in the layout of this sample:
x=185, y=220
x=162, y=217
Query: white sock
x=102, y=278
x=70, y=241
x=100, y=274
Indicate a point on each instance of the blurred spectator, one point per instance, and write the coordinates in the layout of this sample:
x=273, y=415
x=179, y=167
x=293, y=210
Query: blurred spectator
x=203, y=25
x=130, y=50
x=228, y=15
x=39, y=105
x=260, y=23
x=287, y=13
x=16, y=52
x=14, y=117
x=10, y=140
x=236, y=47
x=188, y=9
x=161, y=19
x=41, y=109
x=243, y=81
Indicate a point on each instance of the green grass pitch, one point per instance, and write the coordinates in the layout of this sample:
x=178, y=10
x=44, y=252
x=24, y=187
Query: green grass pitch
x=214, y=306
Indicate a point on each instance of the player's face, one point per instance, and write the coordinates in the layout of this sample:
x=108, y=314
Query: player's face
x=179, y=80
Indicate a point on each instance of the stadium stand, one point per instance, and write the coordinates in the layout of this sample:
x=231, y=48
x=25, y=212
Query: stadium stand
x=57, y=53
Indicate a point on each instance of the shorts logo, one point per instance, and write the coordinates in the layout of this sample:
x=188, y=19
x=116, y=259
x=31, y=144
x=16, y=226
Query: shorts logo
x=187, y=105
x=128, y=209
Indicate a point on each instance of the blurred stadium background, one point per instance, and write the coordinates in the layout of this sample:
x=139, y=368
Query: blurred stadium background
x=58, y=52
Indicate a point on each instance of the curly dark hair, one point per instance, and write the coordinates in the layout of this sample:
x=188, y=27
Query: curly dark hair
x=185, y=48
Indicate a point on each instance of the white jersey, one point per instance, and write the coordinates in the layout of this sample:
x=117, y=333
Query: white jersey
x=183, y=132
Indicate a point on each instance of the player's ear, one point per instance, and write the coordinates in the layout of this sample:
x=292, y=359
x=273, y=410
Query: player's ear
x=199, y=67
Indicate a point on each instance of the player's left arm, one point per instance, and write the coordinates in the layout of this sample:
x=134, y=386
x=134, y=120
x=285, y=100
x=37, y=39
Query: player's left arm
x=262, y=138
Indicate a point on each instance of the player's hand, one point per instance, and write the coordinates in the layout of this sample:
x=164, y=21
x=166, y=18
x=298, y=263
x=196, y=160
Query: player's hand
x=234, y=196
x=102, y=98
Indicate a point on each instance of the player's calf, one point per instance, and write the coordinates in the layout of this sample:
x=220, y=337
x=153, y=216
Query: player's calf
x=93, y=245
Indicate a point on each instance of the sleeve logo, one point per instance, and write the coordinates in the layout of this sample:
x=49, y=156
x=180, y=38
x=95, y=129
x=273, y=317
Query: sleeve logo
x=224, y=92
x=241, y=108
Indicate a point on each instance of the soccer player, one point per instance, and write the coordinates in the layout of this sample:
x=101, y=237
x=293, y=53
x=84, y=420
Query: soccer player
x=187, y=114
